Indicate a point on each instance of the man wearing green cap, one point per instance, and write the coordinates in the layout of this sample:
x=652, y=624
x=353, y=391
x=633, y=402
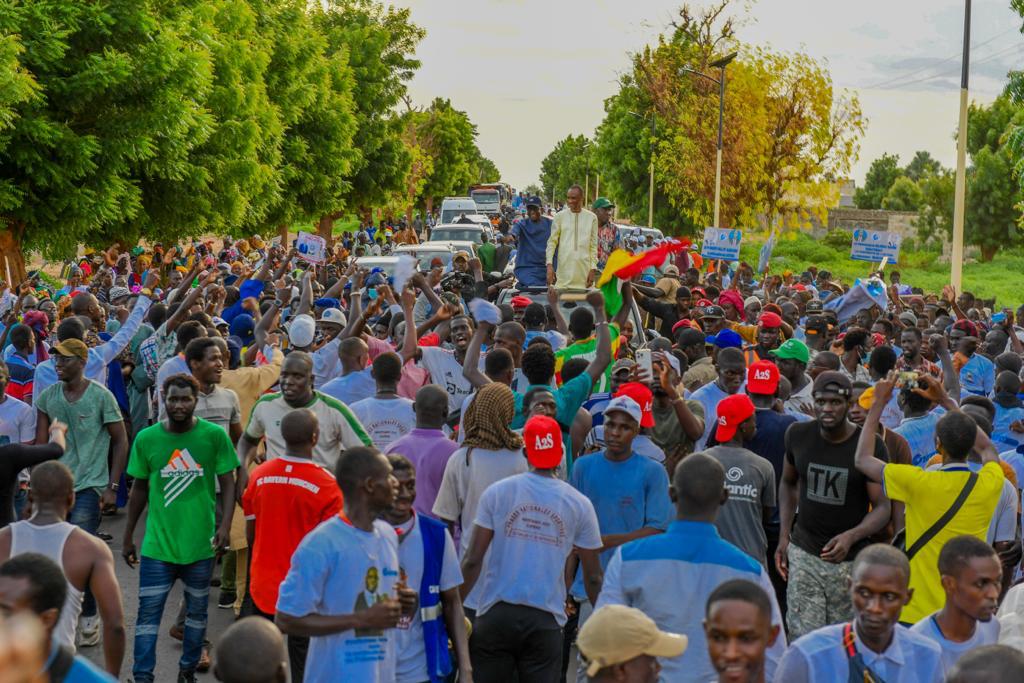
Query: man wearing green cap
x=608, y=239
x=792, y=357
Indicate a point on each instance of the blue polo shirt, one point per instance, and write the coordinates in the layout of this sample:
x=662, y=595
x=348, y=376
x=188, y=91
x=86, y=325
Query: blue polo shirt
x=669, y=577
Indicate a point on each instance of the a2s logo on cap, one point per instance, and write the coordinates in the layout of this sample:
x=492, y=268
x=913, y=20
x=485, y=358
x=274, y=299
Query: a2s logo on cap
x=762, y=375
x=547, y=441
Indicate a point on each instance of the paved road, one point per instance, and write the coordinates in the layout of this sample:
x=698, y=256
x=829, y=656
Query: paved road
x=168, y=649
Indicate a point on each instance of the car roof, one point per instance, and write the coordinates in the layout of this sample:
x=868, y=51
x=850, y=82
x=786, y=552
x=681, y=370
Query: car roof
x=459, y=226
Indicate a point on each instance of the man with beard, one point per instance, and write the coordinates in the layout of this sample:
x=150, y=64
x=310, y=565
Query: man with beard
x=873, y=647
x=792, y=358
x=339, y=427
x=839, y=509
x=972, y=579
x=731, y=373
x=912, y=359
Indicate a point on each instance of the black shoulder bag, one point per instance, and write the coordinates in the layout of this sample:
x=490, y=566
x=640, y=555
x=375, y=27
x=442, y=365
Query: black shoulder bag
x=900, y=541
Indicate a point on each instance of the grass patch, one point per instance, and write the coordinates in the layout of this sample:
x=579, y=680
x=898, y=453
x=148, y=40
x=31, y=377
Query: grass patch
x=920, y=268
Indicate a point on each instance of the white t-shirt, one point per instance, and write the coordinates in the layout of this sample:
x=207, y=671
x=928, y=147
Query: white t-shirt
x=339, y=428
x=447, y=372
x=17, y=421
x=412, y=655
x=385, y=419
x=985, y=633
x=536, y=520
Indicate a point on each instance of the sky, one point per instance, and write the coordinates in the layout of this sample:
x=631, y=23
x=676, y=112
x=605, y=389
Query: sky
x=530, y=72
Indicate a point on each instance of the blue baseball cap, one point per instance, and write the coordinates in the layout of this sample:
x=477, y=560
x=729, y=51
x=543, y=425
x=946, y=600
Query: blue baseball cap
x=534, y=201
x=725, y=339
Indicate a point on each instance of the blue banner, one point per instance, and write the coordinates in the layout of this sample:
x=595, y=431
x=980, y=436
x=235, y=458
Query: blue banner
x=721, y=244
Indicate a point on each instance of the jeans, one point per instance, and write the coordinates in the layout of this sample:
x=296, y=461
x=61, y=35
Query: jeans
x=86, y=516
x=155, y=581
x=510, y=640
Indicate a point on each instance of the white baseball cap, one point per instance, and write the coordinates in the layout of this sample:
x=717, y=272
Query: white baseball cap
x=333, y=316
x=301, y=331
x=624, y=404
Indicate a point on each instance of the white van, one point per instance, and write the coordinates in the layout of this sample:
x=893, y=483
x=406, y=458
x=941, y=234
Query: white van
x=453, y=207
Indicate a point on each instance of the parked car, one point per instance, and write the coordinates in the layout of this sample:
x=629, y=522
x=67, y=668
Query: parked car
x=453, y=207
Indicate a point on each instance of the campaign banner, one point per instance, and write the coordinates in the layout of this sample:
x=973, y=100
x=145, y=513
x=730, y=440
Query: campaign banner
x=875, y=245
x=721, y=244
x=312, y=248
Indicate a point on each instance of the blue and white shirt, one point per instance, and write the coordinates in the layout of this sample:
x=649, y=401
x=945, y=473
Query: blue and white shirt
x=669, y=577
x=820, y=656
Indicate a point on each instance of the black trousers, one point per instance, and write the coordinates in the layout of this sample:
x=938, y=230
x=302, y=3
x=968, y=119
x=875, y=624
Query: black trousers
x=515, y=639
x=298, y=646
x=778, y=583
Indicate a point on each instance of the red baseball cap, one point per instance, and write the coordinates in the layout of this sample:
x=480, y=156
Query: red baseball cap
x=520, y=302
x=732, y=412
x=542, y=439
x=762, y=378
x=643, y=397
x=769, y=319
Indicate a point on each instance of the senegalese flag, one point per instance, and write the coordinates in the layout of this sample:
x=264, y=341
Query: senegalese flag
x=622, y=266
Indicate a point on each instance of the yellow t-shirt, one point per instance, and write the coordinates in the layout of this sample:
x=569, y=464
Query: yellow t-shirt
x=928, y=496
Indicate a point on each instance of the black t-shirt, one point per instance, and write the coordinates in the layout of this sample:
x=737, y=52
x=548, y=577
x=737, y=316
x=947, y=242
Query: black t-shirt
x=14, y=457
x=667, y=312
x=833, y=494
x=770, y=443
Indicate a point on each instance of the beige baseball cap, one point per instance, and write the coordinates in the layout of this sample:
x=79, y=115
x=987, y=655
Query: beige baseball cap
x=615, y=634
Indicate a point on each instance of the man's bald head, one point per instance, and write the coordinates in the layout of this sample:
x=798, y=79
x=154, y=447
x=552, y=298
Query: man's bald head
x=300, y=430
x=51, y=482
x=298, y=361
x=431, y=407
x=82, y=303
x=251, y=650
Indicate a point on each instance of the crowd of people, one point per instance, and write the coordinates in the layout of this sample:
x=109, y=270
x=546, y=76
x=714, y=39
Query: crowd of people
x=393, y=477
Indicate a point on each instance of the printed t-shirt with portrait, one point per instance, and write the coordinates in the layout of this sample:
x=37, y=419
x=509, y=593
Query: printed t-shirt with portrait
x=833, y=493
x=536, y=520
x=446, y=371
x=88, y=437
x=182, y=471
x=339, y=569
x=412, y=653
x=385, y=419
x=339, y=427
x=750, y=480
x=928, y=495
x=286, y=498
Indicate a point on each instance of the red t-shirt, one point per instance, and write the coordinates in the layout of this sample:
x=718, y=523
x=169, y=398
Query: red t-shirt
x=287, y=497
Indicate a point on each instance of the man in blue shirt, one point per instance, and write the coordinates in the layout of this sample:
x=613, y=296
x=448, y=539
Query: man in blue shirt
x=873, y=647
x=629, y=491
x=669, y=576
x=532, y=235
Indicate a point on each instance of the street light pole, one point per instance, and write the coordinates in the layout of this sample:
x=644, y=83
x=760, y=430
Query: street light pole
x=957, y=255
x=720, y=64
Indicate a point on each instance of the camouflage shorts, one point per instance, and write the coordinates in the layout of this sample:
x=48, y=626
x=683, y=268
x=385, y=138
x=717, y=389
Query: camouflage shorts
x=818, y=593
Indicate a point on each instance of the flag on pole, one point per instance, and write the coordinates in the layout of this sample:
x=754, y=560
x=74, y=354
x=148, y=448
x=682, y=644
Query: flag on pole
x=863, y=294
x=622, y=266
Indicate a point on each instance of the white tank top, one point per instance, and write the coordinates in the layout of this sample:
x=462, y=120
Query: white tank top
x=49, y=540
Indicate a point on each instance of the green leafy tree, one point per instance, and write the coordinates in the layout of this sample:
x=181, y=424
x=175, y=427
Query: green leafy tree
x=380, y=43
x=118, y=104
x=484, y=170
x=904, y=195
x=922, y=166
x=881, y=175
x=935, y=214
x=566, y=165
x=991, y=210
x=532, y=190
x=450, y=140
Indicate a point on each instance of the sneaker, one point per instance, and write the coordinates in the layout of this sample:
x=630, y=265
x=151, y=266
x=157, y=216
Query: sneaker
x=89, y=631
x=226, y=599
x=186, y=677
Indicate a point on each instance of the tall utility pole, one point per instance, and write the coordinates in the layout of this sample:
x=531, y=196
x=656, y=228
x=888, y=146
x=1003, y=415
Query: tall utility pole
x=957, y=256
x=719, y=64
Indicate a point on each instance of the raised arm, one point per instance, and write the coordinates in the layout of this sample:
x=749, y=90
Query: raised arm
x=471, y=364
x=603, y=354
x=627, y=304
x=950, y=377
x=865, y=460
x=306, y=298
x=410, y=348
x=556, y=312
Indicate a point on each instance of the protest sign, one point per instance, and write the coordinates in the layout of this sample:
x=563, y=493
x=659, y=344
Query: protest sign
x=874, y=245
x=722, y=244
x=312, y=248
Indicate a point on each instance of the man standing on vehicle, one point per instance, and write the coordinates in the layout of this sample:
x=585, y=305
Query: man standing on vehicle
x=532, y=235
x=574, y=229
x=608, y=239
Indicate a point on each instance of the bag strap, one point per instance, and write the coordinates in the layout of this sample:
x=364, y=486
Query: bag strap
x=942, y=521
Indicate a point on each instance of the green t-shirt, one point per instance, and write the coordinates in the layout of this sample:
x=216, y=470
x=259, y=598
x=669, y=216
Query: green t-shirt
x=88, y=436
x=182, y=471
x=485, y=252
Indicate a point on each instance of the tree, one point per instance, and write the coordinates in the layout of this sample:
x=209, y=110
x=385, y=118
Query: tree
x=484, y=170
x=922, y=166
x=904, y=195
x=991, y=210
x=566, y=165
x=450, y=141
x=881, y=175
x=935, y=215
x=380, y=43
x=118, y=102
x=532, y=190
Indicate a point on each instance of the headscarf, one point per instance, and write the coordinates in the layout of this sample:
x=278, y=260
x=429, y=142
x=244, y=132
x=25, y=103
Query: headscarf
x=40, y=323
x=733, y=297
x=488, y=417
